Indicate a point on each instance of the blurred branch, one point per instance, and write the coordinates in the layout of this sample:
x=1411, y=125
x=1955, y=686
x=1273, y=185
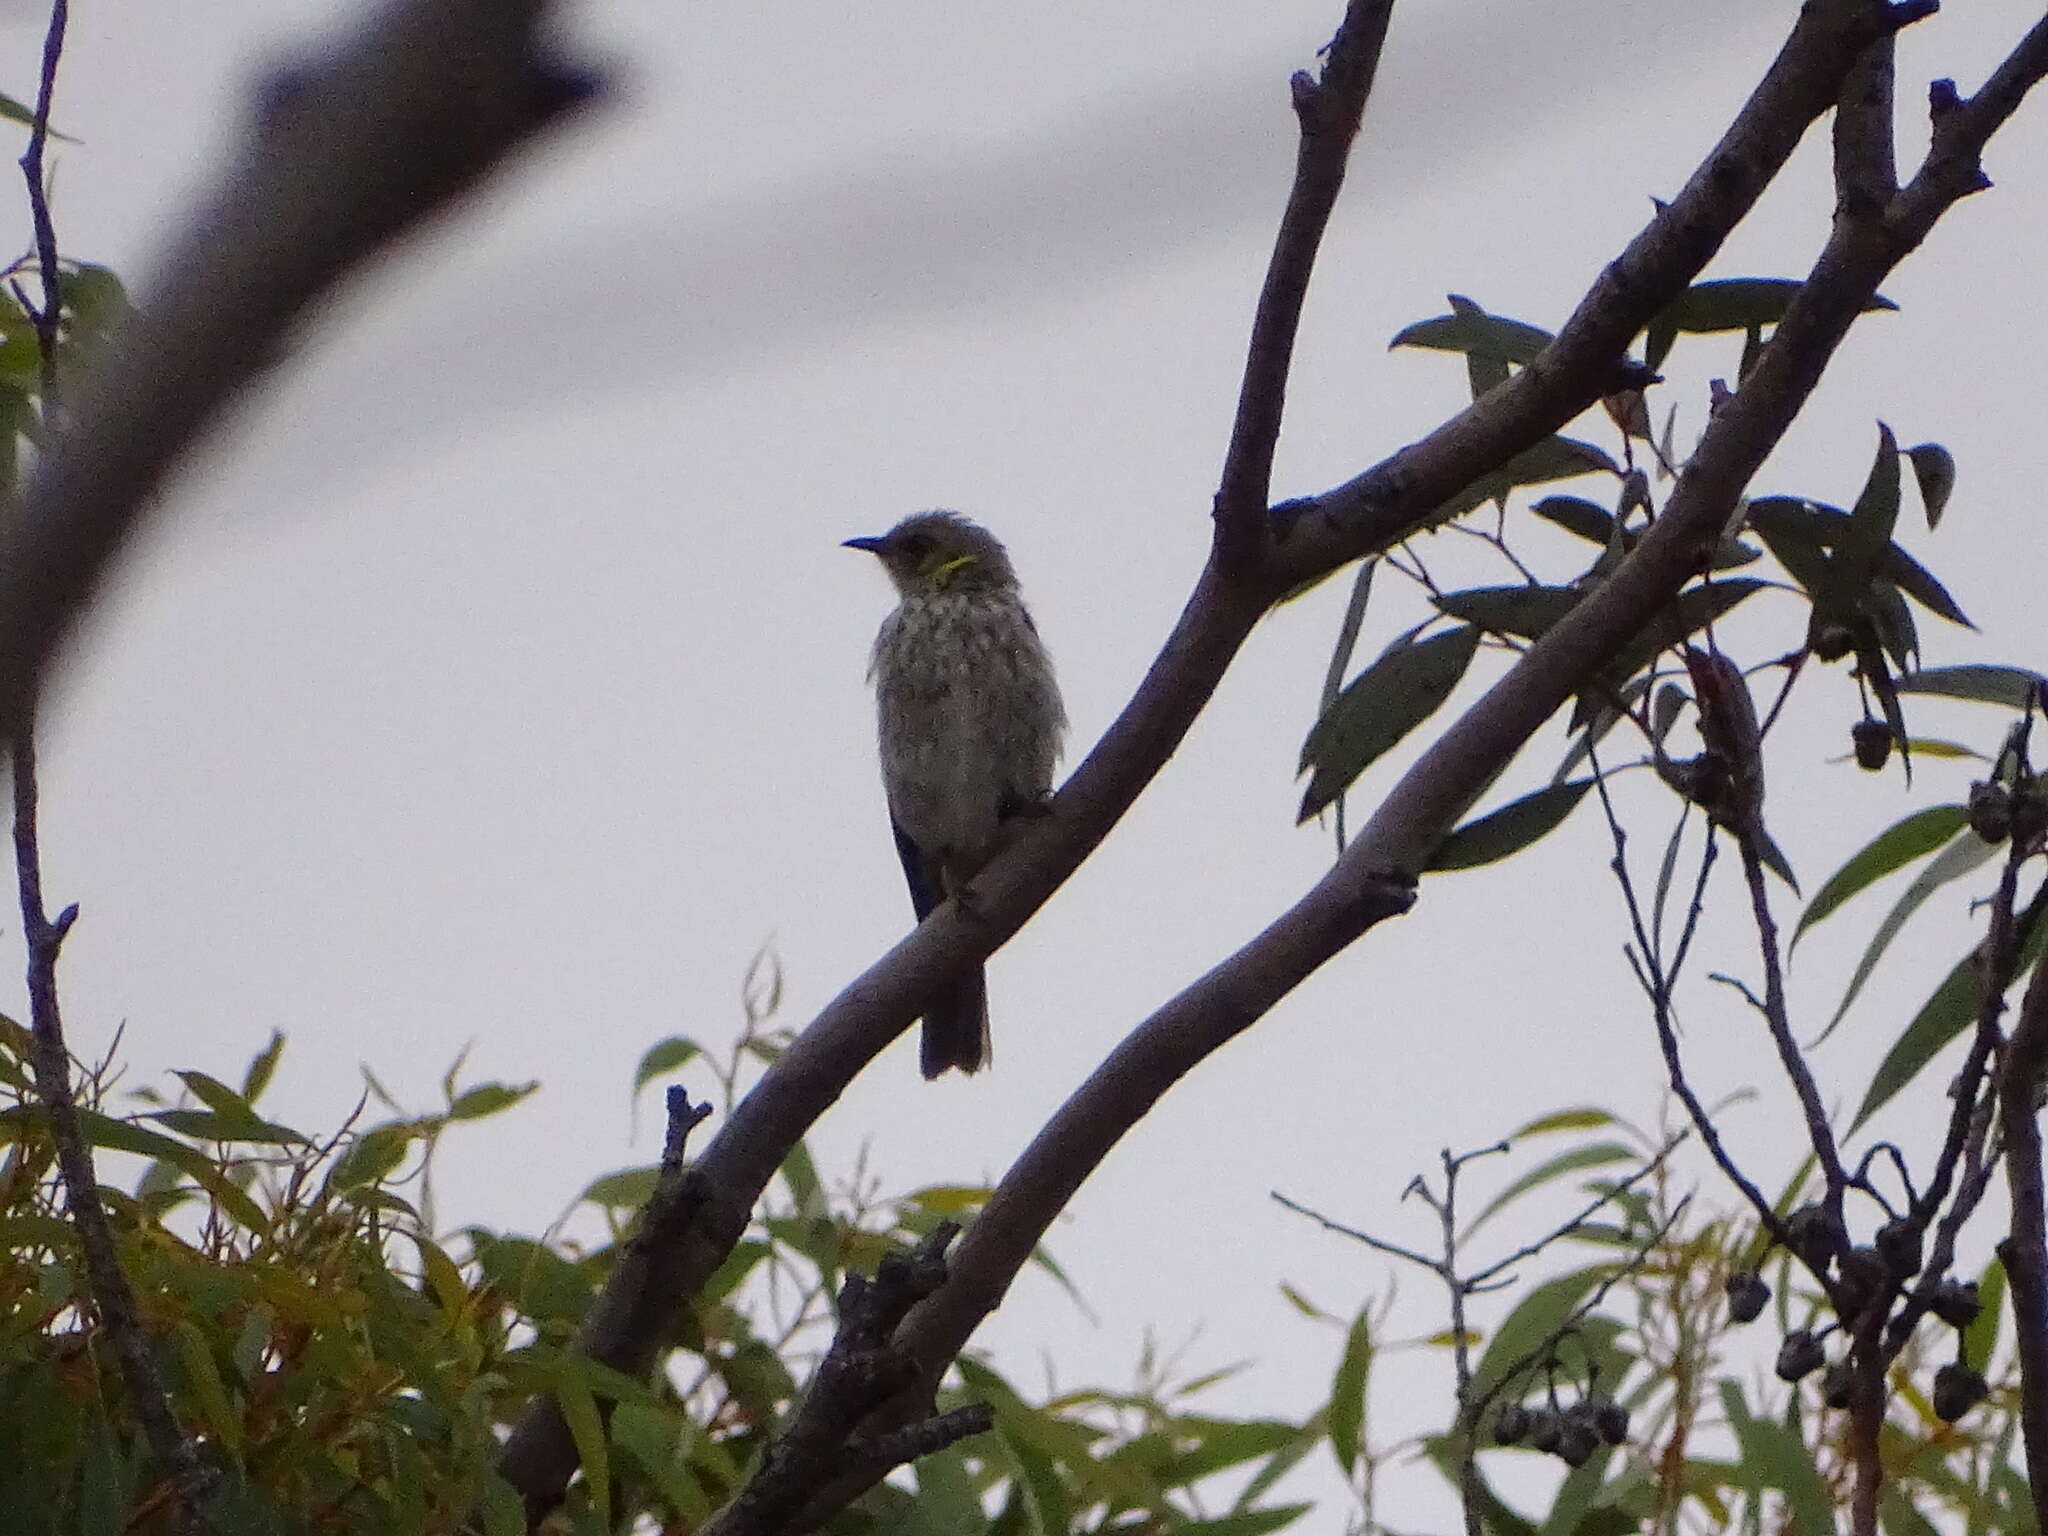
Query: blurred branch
x=348, y=154
x=191, y=1481
x=1329, y=112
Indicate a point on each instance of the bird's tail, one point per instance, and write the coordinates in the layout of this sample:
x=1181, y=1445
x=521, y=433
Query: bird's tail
x=956, y=1026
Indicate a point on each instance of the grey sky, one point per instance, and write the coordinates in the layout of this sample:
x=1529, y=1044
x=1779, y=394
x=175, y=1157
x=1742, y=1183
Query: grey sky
x=500, y=682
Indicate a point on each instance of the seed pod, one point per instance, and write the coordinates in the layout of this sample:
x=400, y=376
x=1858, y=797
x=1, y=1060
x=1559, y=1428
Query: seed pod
x=1957, y=1389
x=1815, y=1235
x=1837, y=1386
x=1831, y=642
x=1991, y=812
x=1800, y=1356
x=1955, y=1302
x=1511, y=1424
x=1577, y=1442
x=2029, y=813
x=1872, y=741
x=1610, y=1421
x=1747, y=1296
x=1899, y=1243
x=1864, y=1279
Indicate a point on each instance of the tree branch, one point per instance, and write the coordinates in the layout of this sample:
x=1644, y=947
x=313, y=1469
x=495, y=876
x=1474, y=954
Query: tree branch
x=1329, y=112
x=349, y=154
x=2025, y=1249
x=861, y=1370
x=1306, y=539
x=113, y=1298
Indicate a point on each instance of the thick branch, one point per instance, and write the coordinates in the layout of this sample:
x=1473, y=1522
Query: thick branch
x=427, y=98
x=1329, y=111
x=861, y=1370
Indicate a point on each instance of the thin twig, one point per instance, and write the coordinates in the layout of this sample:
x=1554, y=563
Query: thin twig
x=1778, y=1020
x=112, y=1296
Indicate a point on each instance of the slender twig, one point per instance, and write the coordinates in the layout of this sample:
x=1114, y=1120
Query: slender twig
x=112, y=1296
x=1657, y=987
x=1329, y=111
x=1777, y=1019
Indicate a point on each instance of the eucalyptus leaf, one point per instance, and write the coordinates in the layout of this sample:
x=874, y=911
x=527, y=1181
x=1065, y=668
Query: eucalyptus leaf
x=1400, y=690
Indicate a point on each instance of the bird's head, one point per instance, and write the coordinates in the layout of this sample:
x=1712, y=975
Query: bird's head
x=932, y=552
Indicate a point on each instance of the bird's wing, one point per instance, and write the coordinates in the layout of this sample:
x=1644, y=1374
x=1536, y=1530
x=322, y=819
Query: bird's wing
x=926, y=891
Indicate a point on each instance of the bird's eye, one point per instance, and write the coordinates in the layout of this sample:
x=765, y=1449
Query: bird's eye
x=917, y=545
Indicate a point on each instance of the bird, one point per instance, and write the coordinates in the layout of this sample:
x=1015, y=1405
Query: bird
x=969, y=723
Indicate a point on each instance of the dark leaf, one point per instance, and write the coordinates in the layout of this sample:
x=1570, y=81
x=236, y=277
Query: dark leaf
x=1575, y=514
x=1510, y=829
x=1383, y=704
x=1935, y=468
x=1555, y=458
x=1796, y=531
x=1471, y=330
x=1523, y=611
x=1868, y=532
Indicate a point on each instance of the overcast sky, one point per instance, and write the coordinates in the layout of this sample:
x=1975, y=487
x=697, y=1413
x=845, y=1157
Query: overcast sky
x=496, y=682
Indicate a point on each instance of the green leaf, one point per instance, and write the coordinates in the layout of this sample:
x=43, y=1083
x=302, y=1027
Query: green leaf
x=487, y=1099
x=1539, y=1312
x=1935, y=468
x=504, y=1511
x=1521, y=610
x=1381, y=706
x=1347, y=635
x=1584, y=1118
x=626, y=1189
x=1962, y=855
x=125, y=1136
x=1510, y=829
x=1599, y=1154
x=1947, y=1013
x=663, y=1056
x=1980, y=1339
x=1981, y=683
x=1251, y=1522
x=1892, y=849
x=1897, y=1515
x=1346, y=1414
x=262, y=1067
x=586, y=1428
x=1774, y=1456
x=1471, y=330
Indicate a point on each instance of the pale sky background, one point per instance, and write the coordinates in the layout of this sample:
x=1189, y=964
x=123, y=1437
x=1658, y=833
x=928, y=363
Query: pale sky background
x=498, y=682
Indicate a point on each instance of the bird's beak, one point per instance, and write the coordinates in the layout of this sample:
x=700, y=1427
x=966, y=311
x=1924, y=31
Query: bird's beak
x=871, y=544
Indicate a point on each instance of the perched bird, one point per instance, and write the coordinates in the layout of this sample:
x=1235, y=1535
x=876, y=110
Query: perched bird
x=970, y=723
